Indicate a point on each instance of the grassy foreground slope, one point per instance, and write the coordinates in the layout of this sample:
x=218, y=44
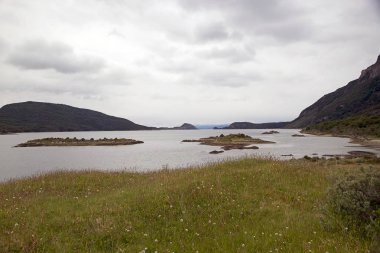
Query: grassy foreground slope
x=248, y=205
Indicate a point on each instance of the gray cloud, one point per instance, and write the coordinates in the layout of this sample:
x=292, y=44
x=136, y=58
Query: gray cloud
x=232, y=54
x=211, y=32
x=293, y=30
x=227, y=79
x=272, y=18
x=117, y=34
x=3, y=46
x=377, y=5
x=58, y=56
x=220, y=78
x=254, y=9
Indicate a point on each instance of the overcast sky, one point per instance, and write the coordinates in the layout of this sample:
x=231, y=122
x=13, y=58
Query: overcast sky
x=162, y=63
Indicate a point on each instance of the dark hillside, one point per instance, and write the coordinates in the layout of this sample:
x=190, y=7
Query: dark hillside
x=359, y=97
x=47, y=117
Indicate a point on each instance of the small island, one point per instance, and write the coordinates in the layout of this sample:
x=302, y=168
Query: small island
x=298, y=135
x=59, y=142
x=271, y=132
x=231, y=141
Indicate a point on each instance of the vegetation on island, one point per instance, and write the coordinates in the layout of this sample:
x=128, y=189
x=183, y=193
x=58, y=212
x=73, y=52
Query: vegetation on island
x=271, y=132
x=231, y=141
x=298, y=135
x=78, y=142
x=248, y=205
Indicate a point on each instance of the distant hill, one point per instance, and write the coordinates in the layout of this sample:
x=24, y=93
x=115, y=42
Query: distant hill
x=47, y=117
x=358, y=98
x=185, y=126
x=249, y=125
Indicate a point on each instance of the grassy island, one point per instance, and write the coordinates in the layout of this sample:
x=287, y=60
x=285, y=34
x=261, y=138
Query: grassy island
x=57, y=142
x=271, y=132
x=298, y=135
x=248, y=205
x=231, y=141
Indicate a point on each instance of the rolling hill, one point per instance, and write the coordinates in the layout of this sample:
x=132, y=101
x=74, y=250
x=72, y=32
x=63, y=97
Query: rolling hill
x=48, y=117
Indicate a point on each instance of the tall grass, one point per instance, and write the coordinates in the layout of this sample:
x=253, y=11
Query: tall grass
x=249, y=205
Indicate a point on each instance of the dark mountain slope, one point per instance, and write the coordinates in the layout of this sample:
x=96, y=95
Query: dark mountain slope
x=359, y=97
x=47, y=117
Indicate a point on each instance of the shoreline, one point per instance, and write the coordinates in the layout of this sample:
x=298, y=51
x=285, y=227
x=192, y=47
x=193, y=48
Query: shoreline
x=220, y=162
x=367, y=142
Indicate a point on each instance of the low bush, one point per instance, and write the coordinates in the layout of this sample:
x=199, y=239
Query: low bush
x=354, y=203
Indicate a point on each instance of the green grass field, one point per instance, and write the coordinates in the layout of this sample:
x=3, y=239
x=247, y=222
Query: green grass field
x=249, y=205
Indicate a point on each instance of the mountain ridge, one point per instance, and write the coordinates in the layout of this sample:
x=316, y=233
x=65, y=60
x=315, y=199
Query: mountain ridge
x=358, y=97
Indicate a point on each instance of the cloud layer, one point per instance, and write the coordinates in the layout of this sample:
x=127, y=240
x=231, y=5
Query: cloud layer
x=174, y=61
x=55, y=55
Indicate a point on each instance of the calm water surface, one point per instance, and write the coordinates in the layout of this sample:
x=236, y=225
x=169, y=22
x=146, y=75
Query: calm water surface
x=161, y=149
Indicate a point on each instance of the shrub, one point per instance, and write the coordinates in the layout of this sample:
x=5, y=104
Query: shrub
x=354, y=201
